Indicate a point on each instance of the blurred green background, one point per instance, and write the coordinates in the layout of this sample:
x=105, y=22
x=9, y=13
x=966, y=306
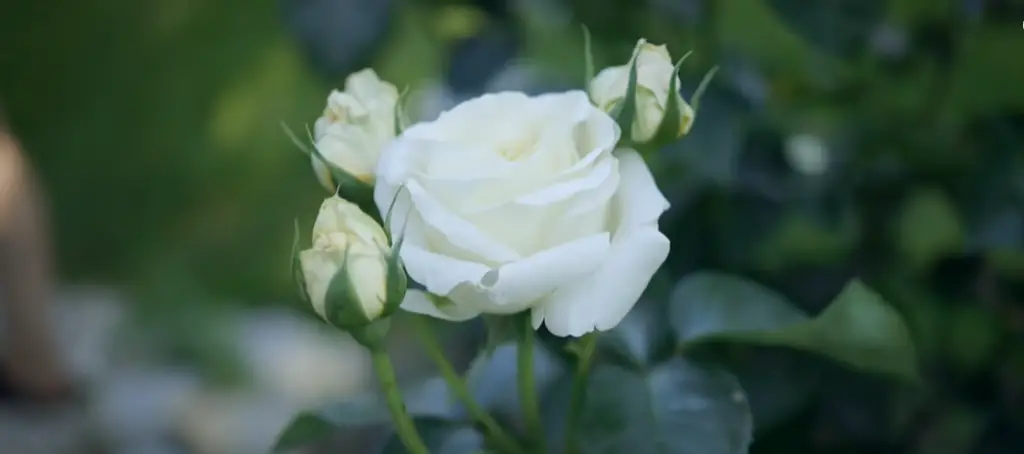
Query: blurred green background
x=870, y=138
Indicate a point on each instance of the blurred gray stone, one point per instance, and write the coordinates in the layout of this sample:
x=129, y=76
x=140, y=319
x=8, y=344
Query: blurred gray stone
x=87, y=320
x=138, y=402
x=43, y=431
x=299, y=360
x=137, y=406
x=235, y=423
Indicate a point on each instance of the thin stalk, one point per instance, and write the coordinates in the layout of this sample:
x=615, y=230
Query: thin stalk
x=527, y=388
x=455, y=382
x=404, y=426
x=578, y=394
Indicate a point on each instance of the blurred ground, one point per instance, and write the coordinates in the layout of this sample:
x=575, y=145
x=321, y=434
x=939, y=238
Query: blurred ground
x=139, y=400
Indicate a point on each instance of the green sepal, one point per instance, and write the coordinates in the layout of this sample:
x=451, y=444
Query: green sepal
x=373, y=335
x=624, y=111
x=386, y=222
x=668, y=131
x=305, y=149
x=341, y=303
x=401, y=119
x=588, y=58
x=701, y=88
x=397, y=282
x=296, y=266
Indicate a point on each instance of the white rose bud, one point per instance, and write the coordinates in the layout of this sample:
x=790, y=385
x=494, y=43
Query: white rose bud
x=657, y=93
x=350, y=274
x=356, y=125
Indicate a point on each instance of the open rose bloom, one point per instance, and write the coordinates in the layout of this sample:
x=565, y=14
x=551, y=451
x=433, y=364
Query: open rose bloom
x=509, y=203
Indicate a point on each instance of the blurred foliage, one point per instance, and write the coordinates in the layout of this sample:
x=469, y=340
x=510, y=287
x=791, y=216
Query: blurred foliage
x=870, y=139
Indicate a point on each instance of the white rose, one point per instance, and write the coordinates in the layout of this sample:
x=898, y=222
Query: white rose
x=654, y=73
x=357, y=123
x=510, y=202
x=343, y=235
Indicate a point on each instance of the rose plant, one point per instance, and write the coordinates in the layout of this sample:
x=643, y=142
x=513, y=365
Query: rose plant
x=539, y=215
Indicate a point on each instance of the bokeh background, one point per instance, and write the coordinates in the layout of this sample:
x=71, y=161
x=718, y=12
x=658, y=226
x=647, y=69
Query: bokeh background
x=870, y=138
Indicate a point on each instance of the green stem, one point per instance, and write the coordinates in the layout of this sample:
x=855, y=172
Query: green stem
x=455, y=382
x=527, y=388
x=389, y=385
x=578, y=394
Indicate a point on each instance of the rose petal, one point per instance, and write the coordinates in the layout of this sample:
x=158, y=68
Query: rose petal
x=418, y=302
x=511, y=287
x=457, y=230
x=462, y=122
x=601, y=174
x=603, y=299
x=517, y=285
x=394, y=171
x=640, y=200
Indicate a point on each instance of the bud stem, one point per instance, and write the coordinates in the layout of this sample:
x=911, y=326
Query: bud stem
x=527, y=388
x=458, y=386
x=578, y=393
x=404, y=426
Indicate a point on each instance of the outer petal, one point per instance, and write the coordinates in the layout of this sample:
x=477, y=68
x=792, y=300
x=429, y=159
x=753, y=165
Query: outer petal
x=601, y=301
x=318, y=268
x=392, y=171
x=323, y=174
x=605, y=89
x=511, y=287
x=418, y=302
x=638, y=249
x=521, y=284
x=640, y=200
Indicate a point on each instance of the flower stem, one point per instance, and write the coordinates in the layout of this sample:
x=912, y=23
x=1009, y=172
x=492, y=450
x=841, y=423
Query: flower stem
x=389, y=385
x=578, y=394
x=527, y=388
x=505, y=442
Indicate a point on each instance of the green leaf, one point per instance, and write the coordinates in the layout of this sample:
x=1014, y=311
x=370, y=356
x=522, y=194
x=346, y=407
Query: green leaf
x=441, y=437
x=841, y=27
x=677, y=407
x=928, y=228
x=432, y=399
x=313, y=425
x=778, y=382
x=640, y=339
x=858, y=329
